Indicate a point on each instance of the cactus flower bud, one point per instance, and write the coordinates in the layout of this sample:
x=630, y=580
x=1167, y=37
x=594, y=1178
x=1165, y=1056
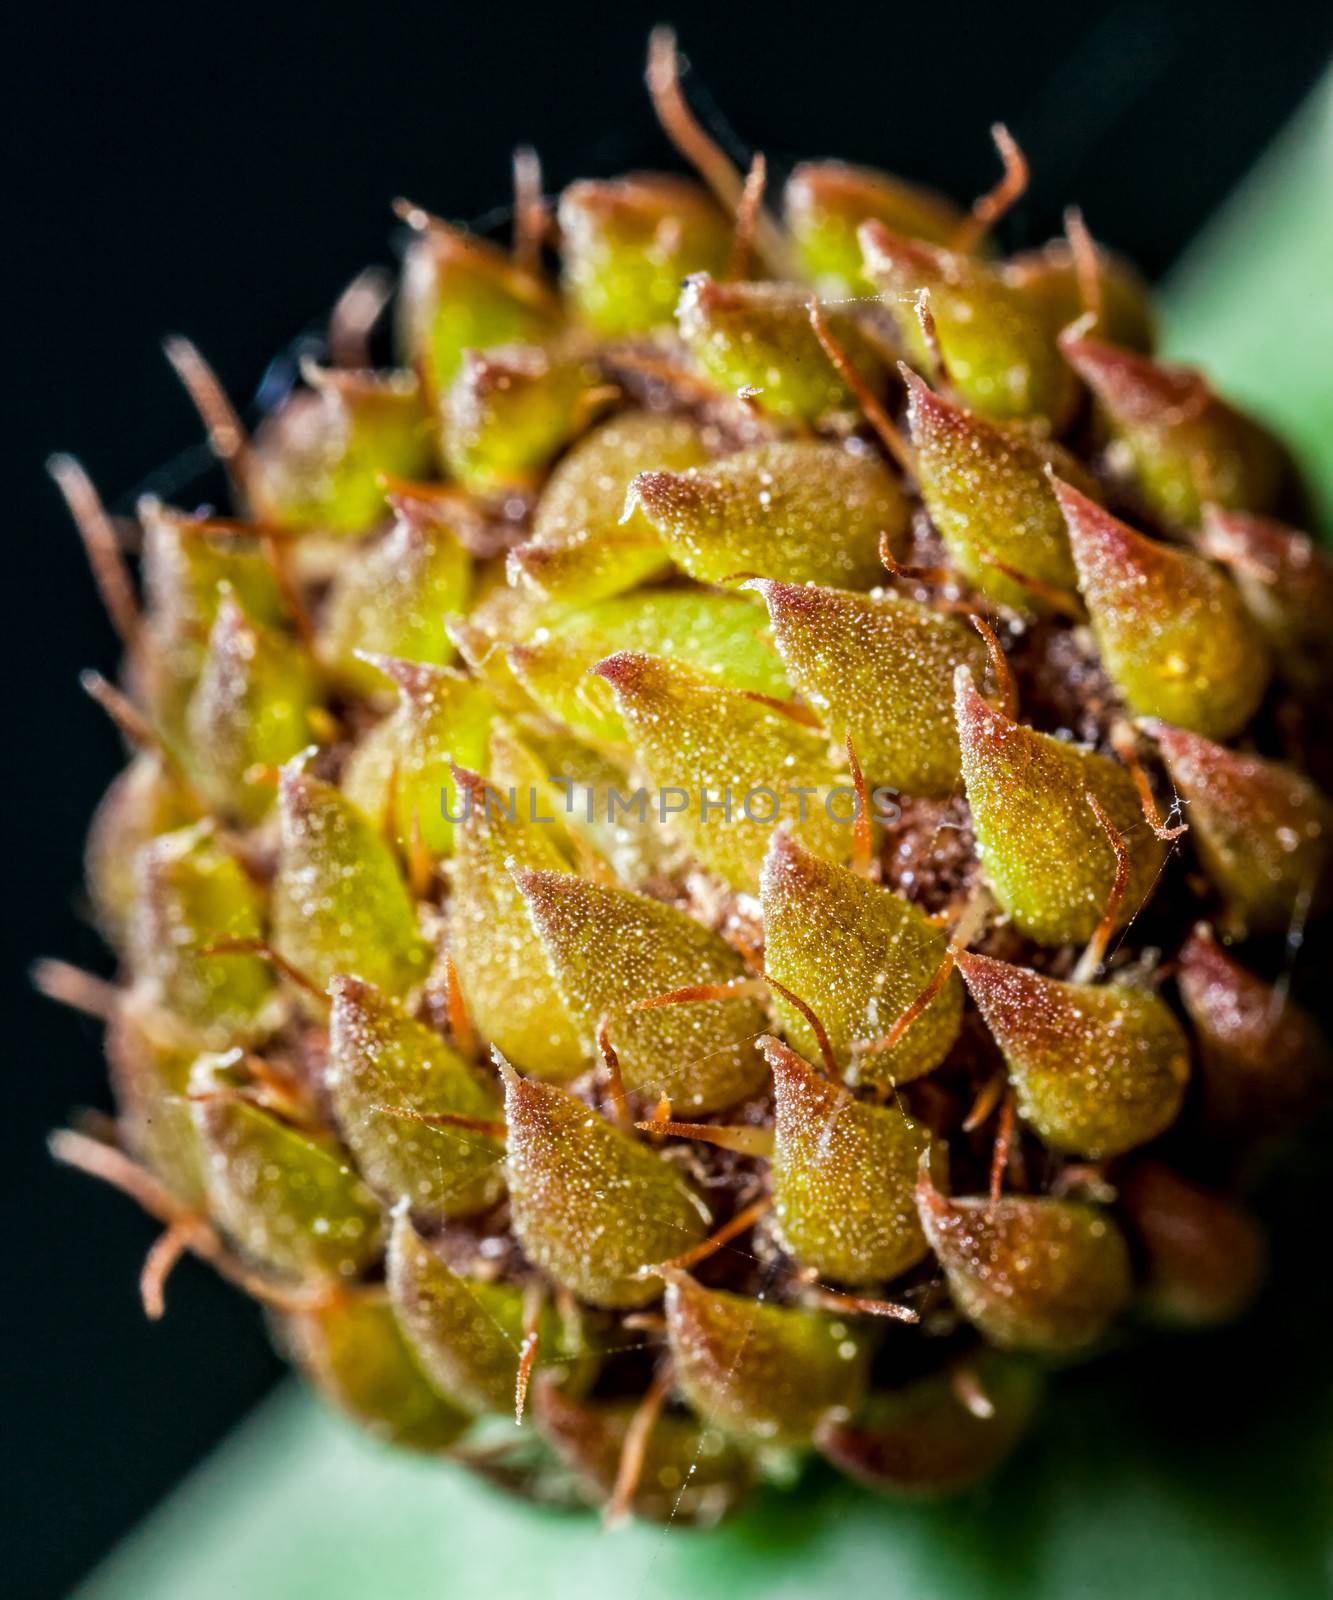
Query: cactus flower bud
x=988, y=494
x=997, y=354
x=924, y=1441
x=288, y=1199
x=192, y=895
x=757, y=337
x=741, y=767
x=1265, y=1060
x=585, y=545
x=503, y=972
x=318, y=461
x=825, y=202
x=466, y=1333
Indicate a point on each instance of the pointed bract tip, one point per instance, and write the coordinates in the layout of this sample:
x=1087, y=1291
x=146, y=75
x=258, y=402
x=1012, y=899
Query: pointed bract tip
x=512, y=1080
x=785, y=1062
x=621, y=670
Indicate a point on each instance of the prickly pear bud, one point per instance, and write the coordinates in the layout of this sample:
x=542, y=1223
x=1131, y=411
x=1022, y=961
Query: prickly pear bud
x=858, y=955
x=940, y=1434
x=1286, y=581
x=1034, y=1274
x=150, y=1072
x=192, y=894
x=1205, y=1257
x=987, y=492
x=287, y=1198
x=1043, y=850
x=1050, y=280
x=825, y=202
x=401, y=775
x=1261, y=830
x=804, y=513
x=720, y=635
x=1264, y=1058
x=757, y=337
x=146, y=800
x=502, y=969
x=584, y=545
x=996, y=353
x=383, y=1066
x=510, y=410
x=591, y=1207
x=318, y=461
x=627, y=244
x=689, y=1472
x=1172, y=630
x=467, y=1333
x=1097, y=1070
x=393, y=599
x=747, y=767
x=339, y=901
x=843, y=1175
x=609, y=948
x=769, y=1374
x=878, y=668
x=354, y=1353
x=1173, y=441
x=250, y=710
x=463, y=293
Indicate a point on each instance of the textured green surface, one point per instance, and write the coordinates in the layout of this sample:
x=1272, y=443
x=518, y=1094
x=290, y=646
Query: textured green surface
x=1252, y=303
x=1206, y=1471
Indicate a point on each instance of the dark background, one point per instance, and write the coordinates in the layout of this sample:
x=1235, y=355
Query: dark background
x=223, y=172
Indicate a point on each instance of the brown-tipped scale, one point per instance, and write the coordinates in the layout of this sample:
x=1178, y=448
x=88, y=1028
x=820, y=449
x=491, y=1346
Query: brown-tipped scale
x=843, y=1174
x=1261, y=829
x=768, y=1374
x=1174, y=442
x=858, y=955
x=1172, y=629
x=801, y=512
x=1265, y=1060
x=1097, y=1070
x=1030, y=1272
x=610, y=950
x=1043, y=849
x=353, y=1351
x=592, y=1207
x=925, y=1440
x=387, y=1075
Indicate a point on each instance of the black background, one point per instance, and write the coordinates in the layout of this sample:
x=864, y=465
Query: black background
x=223, y=172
